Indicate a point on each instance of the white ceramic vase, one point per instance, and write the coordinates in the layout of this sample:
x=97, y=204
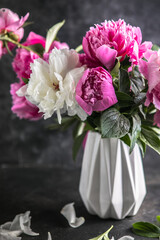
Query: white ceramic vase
x=112, y=183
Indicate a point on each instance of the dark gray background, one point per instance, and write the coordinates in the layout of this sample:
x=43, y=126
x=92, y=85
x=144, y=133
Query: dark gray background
x=24, y=143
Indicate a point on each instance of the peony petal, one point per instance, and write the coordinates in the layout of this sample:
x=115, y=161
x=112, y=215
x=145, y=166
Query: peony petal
x=68, y=212
x=143, y=68
x=126, y=238
x=156, y=101
x=20, y=224
x=49, y=236
x=157, y=118
x=107, y=56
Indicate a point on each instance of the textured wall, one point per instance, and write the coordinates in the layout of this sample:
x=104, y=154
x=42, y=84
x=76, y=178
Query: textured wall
x=26, y=143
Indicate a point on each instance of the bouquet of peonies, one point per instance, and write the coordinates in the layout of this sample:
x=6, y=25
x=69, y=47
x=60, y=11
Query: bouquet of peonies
x=112, y=88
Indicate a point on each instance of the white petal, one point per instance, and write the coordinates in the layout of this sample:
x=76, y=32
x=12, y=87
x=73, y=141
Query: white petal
x=25, y=223
x=126, y=238
x=62, y=61
x=68, y=212
x=20, y=224
x=8, y=236
x=22, y=91
x=49, y=236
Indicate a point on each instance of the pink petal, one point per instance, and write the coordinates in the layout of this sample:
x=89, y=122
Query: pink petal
x=143, y=68
x=157, y=118
x=87, y=108
x=106, y=56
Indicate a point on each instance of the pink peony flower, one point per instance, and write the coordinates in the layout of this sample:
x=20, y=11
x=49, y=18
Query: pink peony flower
x=95, y=91
x=11, y=25
x=151, y=71
x=110, y=39
x=21, y=106
x=23, y=58
x=157, y=118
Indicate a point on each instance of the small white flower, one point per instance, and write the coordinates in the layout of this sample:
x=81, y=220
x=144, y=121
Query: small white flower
x=52, y=85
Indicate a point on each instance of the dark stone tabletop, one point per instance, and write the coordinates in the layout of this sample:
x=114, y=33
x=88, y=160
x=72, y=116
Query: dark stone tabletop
x=44, y=191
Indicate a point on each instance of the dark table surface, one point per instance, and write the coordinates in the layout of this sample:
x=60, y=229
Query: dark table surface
x=44, y=191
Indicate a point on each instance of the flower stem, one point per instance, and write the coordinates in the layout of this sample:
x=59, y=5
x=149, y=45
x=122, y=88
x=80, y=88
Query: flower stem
x=19, y=45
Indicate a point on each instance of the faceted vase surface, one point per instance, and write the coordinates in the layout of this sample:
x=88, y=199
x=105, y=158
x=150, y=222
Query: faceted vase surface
x=112, y=183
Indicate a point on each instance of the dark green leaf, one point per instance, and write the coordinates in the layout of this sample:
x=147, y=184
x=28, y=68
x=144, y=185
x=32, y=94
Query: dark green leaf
x=25, y=80
x=140, y=98
x=151, y=138
x=51, y=34
x=27, y=24
x=155, y=47
x=124, y=100
x=142, y=111
x=142, y=146
x=126, y=140
x=38, y=48
x=125, y=64
x=94, y=120
x=77, y=144
x=66, y=122
x=124, y=81
x=137, y=81
x=136, y=129
x=114, y=124
x=124, y=96
x=146, y=229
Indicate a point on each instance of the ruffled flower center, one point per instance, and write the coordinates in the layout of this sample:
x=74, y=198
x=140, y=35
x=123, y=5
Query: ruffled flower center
x=91, y=89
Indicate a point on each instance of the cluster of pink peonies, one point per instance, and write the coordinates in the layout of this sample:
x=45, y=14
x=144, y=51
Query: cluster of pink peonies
x=61, y=80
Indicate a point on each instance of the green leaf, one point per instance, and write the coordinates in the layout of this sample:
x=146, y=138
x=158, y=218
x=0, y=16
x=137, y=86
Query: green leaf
x=126, y=140
x=13, y=36
x=77, y=144
x=66, y=122
x=79, y=129
x=126, y=63
x=137, y=81
x=51, y=34
x=142, y=111
x=124, y=100
x=79, y=48
x=155, y=47
x=9, y=51
x=146, y=229
x=114, y=124
x=136, y=129
x=115, y=70
x=38, y=48
x=124, y=81
x=149, y=125
x=124, y=97
x=140, y=98
x=150, y=137
x=94, y=120
x=25, y=80
x=142, y=146
x=158, y=220
x=27, y=24
x=103, y=236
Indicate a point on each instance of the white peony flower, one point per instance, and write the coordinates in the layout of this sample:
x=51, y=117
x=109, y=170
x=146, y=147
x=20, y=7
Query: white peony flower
x=52, y=85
